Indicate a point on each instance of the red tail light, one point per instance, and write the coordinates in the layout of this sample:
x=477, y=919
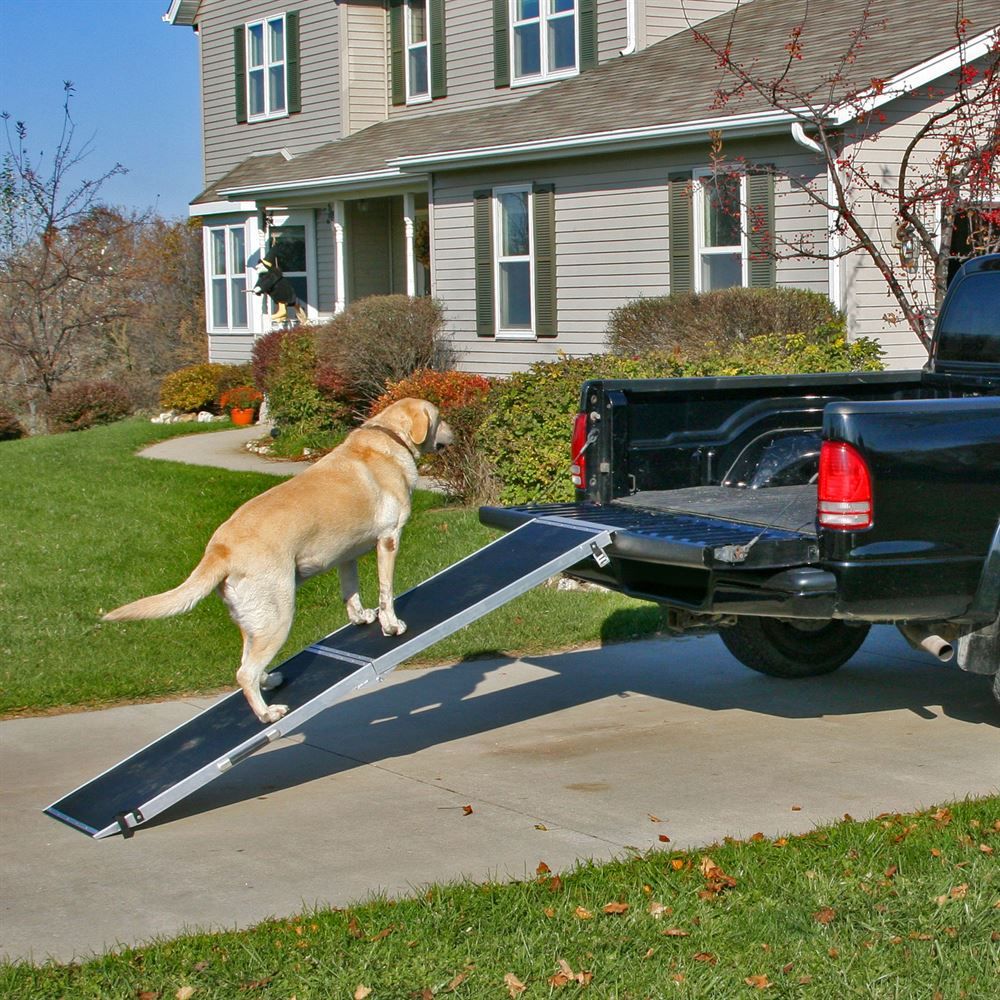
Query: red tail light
x=577, y=450
x=845, y=488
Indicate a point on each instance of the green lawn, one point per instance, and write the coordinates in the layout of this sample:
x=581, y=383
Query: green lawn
x=87, y=526
x=899, y=907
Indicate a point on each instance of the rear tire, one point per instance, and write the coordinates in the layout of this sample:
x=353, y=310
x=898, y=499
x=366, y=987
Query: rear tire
x=784, y=647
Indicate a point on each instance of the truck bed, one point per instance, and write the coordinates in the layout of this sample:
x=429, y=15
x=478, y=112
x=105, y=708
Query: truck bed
x=704, y=527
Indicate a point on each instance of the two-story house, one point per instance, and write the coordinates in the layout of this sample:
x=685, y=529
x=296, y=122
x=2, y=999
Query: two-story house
x=532, y=163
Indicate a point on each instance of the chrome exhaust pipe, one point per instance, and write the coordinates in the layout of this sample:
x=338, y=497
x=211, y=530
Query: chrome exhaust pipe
x=921, y=637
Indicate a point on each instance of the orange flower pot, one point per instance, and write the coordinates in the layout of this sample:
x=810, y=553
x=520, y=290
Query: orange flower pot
x=240, y=417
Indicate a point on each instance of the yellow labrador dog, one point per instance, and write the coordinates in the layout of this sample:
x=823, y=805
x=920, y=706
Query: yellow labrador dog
x=352, y=500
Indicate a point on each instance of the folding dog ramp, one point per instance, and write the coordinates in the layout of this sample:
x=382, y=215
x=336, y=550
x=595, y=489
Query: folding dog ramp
x=174, y=766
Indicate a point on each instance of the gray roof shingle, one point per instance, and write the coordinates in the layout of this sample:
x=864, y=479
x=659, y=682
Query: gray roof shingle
x=671, y=83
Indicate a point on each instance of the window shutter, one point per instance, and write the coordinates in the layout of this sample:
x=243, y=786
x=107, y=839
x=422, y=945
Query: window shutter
x=681, y=234
x=397, y=55
x=588, y=34
x=483, y=230
x=439, y=69
x=760, y=225
x=501, y=43
x=292, y=62
x=240, y=74
x=544, y=218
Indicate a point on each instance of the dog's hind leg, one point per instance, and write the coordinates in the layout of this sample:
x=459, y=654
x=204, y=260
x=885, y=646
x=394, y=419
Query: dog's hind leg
x=265, y=619
x=357, y=613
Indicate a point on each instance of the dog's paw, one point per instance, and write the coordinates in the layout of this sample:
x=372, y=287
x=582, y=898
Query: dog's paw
x=363, y=617
x=271, y=681
x=273, y=713
x=395, y=627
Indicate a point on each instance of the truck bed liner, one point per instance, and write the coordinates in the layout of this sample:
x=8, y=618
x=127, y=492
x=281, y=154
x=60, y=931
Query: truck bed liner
x=705, y=527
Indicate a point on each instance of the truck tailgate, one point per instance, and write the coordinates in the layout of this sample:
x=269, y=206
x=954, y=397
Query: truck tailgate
x=705, y=527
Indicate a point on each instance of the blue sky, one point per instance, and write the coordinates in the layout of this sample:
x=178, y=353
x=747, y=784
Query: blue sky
x=137, y=98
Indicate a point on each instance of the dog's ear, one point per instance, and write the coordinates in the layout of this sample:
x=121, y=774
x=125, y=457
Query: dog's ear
x=420, y=423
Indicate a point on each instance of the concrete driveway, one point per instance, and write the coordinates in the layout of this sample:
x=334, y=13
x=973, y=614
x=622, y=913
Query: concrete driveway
x=561, y=757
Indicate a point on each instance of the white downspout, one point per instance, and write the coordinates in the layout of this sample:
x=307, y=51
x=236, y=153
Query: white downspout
x=630, y=33
x=834, y=240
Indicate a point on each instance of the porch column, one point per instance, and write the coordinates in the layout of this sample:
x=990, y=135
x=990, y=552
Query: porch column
x=341, y=266
x=411, y=263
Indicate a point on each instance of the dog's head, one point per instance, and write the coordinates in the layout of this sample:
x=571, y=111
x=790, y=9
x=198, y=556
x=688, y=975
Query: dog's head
x=420, y=422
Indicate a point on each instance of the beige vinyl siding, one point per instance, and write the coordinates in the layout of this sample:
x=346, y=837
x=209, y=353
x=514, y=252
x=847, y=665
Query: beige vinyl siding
x=326, y=264
x=658, y=19
x=228, y=143
x=868, y=299
x=612, y=246
x=230, y=348
x=365, y=54
x=612, y=29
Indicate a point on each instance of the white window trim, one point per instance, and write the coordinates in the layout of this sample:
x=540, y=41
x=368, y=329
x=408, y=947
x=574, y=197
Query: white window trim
x=498, y=259
x=249, y=239
x=263, y=22
x=412, y=98
x=699, y=232
x=543, y=18
x=307, y=219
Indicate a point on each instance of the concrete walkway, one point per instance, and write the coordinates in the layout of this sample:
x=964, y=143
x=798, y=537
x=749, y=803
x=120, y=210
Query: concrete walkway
x=561, y=757
x=223, y=450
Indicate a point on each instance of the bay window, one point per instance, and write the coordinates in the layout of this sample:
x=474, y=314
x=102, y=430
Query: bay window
x=227, y=278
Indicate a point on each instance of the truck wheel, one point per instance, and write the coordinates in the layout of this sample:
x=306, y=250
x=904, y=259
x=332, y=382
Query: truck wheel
x=785, y=647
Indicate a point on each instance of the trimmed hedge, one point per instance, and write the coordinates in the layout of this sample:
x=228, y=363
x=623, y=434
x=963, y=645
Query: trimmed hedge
x=695, y=323
x=76, y=406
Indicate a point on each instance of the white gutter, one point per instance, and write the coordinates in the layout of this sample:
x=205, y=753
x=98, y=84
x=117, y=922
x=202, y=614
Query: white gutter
x=835, y=283
x=918, y=76
x=630, y=18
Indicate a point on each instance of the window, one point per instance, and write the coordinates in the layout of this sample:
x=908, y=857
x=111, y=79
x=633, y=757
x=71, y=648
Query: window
x=543, y=38
x=513, y=260
x=720, y=201
x=514, y=229
x=227, y=278
x=417, y=51
x=265, y=62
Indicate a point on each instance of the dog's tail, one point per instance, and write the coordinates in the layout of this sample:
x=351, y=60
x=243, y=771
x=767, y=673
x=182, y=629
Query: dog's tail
x=204, y=578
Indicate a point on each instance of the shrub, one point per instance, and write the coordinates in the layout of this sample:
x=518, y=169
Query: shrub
x=695, y=323
x=295, y=400
x=462, y=399
x=79, y=405
x=193, y=388
x=383, y=339
x=265, y=357
x=232, y=376
x=525, y=438
x=10, y=427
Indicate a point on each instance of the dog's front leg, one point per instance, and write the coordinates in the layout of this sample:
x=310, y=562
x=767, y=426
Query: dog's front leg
x=357, y=613
x=385, y=552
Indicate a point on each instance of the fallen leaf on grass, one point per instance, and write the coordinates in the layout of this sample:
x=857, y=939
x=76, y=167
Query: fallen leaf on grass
x=566, y=975
x=514, y=985
x=758, y=982
x=185, y=993
x=957, y=892
x=542, y=869
x=707, y=957
x=257, y=984
x=825, y=915
x=677, y=864
x=616, y=908
x=674, y=932
x=354, y=928
x=656, y=910
x=148, y=995
x=456, y=982
x=582, y=913
x=362, y=992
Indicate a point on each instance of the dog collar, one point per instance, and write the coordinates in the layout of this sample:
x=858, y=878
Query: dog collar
x=396, y=437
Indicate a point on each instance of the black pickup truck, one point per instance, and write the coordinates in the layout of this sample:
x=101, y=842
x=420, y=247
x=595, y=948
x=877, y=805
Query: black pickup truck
x=792, y=513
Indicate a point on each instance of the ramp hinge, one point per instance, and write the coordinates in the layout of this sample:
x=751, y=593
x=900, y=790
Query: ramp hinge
x=128, y=829
x=600, y=556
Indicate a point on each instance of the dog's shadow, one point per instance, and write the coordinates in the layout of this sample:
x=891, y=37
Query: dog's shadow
x=432, y=707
